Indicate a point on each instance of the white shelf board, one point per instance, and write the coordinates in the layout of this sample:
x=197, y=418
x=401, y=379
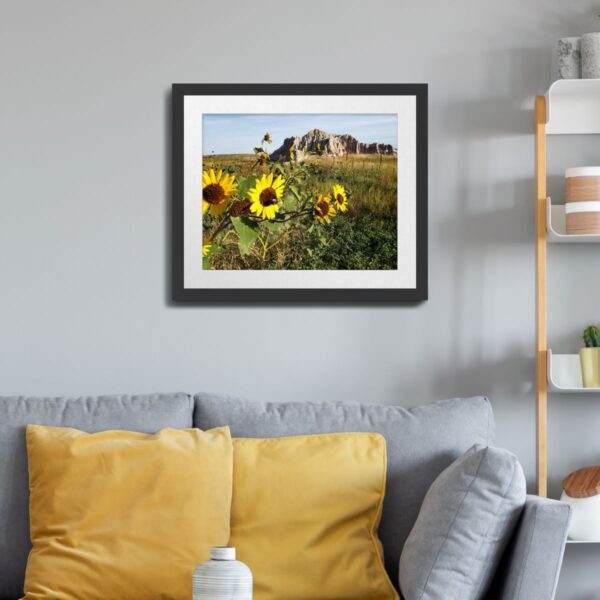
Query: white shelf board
x=564, y=374
x=557, y=229
x=573, y=106
x=583, y=541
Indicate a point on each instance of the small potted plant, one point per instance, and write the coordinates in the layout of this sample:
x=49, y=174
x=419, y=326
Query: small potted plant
x=590, y=357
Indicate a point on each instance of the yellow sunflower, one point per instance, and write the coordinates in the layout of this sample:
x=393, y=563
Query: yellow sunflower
x=339, y=197
x=267, y=138
x=216, y=189
x=324, y=209
x=266, y=196
x=206, y=249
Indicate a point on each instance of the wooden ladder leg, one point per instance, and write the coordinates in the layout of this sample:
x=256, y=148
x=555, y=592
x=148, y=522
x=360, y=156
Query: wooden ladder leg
x=541, y=298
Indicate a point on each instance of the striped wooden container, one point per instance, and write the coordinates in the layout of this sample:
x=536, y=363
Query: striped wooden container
x=582, y=210
x=222, y=577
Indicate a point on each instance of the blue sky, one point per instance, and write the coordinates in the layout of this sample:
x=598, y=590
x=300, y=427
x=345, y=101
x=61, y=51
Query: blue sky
x=238, y=133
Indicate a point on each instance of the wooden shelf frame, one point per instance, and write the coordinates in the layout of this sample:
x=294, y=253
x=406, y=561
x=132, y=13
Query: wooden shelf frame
x=541, y=261
x=569, y=107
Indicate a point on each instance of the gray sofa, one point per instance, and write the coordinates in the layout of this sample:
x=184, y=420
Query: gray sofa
x=421, y=443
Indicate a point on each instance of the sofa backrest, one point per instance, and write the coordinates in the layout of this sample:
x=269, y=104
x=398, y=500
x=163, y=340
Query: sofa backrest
x=134, y=413
x=421, y=443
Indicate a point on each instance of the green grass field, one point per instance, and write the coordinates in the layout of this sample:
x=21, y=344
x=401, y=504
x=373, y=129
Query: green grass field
x=365, y=237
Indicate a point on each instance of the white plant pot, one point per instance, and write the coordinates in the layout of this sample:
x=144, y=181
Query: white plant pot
x=585, y=521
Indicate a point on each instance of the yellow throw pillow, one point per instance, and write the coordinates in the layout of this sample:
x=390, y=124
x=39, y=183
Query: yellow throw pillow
x=305, y=513
x=124, y=516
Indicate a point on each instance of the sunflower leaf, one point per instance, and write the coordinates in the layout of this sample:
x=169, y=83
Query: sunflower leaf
x=305, y=204
x=206, y=266
x=244, y=185
x=295, y=191
x=274, y=226
x=289, y=202
x=247, y=231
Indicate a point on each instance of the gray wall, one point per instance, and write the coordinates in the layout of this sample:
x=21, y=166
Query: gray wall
x=84, y=193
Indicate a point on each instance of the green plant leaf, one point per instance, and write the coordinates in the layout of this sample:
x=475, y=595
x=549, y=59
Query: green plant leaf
x=295, y=191
x=244, y=185
x=206, y=263
x=247, y=231
x=274, y=226
x=305, y=203
x=289, y=202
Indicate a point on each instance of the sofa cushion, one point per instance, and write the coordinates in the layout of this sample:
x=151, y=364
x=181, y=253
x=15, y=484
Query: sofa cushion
x=465, y=523
x=531, y=565
x=124, y=515
x=421, y=443
x=148, y=414
x=305, y=513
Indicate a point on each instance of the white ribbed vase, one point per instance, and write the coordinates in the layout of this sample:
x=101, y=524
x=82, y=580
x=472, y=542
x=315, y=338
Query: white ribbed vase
x=222, y=577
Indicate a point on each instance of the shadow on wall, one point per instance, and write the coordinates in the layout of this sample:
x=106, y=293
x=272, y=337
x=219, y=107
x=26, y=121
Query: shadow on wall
x=507, y=110
x=168, y=179
x=476, y=239
x=510, y=377
x=491, y=222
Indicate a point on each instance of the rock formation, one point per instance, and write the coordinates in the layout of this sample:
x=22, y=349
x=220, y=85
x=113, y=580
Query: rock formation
x=317, y=142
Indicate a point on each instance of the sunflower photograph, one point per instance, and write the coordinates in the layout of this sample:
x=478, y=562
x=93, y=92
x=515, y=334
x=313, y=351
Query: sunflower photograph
x=299, y=192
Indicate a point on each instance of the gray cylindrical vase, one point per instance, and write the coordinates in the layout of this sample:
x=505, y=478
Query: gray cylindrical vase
x=222, y=577
x=569, y=58
x=590, y=55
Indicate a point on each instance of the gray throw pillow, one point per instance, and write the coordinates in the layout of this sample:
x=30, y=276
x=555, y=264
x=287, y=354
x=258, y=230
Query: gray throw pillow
x=466, y=520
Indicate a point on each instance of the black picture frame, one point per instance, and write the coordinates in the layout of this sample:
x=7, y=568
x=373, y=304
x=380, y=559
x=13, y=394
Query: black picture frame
x=288, y=295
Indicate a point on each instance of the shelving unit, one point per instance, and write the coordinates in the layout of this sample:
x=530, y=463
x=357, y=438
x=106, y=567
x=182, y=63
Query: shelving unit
x=569, y=107
x=564, y=375
x=557, y=230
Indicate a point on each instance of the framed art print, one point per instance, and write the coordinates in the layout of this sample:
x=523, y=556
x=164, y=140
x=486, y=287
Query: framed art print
x=299, y=193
